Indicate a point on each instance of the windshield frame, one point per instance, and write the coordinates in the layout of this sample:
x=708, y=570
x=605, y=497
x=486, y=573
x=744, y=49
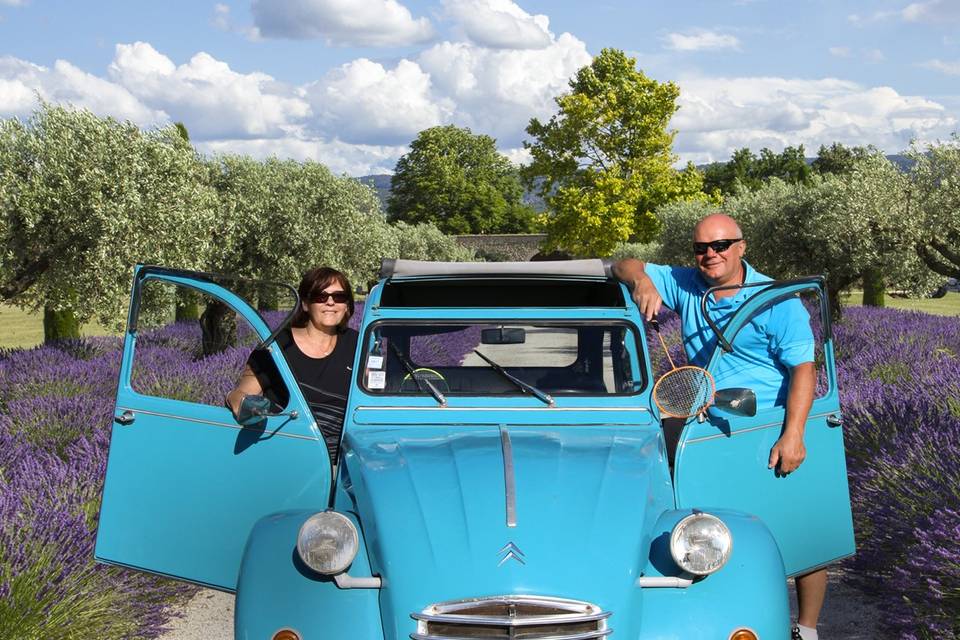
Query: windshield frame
x=639, y=352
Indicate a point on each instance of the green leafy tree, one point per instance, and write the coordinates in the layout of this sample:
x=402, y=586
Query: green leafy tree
x=839, y=159
x=426, y=242
x=604, y=162
x=935, y=197
x=460, y=182
x=747, y=171
x=82, y=199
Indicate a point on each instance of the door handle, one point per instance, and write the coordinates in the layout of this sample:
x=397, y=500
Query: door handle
x=125, y=418
x=834, y=420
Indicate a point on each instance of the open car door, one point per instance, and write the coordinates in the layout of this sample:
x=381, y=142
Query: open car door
x=723, y=460
x=185, y=483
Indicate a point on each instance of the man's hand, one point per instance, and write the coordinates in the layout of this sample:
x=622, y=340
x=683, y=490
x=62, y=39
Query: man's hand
x=787, y=453
x=630, y=272
x=647, y=297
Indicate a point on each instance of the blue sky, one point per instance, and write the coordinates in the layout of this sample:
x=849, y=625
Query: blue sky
x=350, y=82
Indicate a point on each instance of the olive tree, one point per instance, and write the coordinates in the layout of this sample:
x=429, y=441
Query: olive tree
x=852, y=228
x=935, y=198
x=83, y=198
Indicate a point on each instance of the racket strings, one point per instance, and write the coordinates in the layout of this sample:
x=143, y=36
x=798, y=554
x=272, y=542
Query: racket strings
x=684, y=392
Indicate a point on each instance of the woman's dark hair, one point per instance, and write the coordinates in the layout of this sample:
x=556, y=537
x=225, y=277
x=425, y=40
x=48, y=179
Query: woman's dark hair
x=313, y=282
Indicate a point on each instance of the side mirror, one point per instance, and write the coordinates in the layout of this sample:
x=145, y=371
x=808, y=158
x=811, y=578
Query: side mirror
x=739, y=401
x=503, y=335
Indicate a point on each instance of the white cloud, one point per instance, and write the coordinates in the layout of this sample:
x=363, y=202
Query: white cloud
x=719, y=115
x=339, y=157
x=934, y=11
x=223, y=21
x=362, y=101
x=500, y=24
x=948, y=68
x=498, y=91
x=700, y=40
x=14, y=3
x=221, y=17
x=216, y=101
x=931, y=11
x=341, y=22
x=840, y=52
x=21, y=82
x=874, y=55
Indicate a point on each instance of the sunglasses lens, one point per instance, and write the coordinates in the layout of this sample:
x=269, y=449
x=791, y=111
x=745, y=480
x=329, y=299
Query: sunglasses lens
x=718, y=246
x=338, y=296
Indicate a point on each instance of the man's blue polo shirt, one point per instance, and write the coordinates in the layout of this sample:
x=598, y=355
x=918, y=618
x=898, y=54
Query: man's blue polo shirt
x=776, y=339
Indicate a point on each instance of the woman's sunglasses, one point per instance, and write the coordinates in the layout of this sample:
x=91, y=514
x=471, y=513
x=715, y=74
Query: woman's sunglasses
x=338, y=296
x=718, y=246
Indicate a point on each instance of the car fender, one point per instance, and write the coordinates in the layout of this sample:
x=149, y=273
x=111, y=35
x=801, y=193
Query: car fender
x=275, y=590
x=749, y=591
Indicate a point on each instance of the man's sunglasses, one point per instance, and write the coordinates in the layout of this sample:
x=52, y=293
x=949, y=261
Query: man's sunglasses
x=718, y=246
x=338, y=296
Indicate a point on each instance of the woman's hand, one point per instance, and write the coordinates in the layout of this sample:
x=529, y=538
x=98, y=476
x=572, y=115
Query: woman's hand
x=253, y=408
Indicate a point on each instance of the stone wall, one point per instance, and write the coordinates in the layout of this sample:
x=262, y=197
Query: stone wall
x=504, y=247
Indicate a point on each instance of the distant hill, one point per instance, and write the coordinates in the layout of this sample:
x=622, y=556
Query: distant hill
x=379, y=182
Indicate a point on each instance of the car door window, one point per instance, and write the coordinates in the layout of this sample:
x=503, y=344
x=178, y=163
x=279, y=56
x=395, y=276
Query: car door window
x=784, y=331
x=190, y=346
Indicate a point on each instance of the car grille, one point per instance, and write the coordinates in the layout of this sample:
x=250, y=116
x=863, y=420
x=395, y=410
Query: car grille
x=511, y=618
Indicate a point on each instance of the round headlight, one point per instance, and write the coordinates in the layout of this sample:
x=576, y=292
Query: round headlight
x=327, y=542
x=701, y=544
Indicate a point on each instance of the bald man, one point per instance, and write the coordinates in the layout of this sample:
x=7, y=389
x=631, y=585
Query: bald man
x=780, y=363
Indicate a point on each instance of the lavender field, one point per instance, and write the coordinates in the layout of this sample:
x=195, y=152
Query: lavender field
x=900, y=386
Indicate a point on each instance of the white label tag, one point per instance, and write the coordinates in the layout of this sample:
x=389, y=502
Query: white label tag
x=375, y=362
x=377, y=379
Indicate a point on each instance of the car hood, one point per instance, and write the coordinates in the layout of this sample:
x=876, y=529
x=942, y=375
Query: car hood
x=433, y=503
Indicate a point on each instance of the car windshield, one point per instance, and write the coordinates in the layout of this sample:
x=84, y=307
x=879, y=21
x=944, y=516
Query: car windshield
x=511, y=358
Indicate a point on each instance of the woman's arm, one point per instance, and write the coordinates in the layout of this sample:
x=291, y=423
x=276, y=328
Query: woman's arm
x=247, y=385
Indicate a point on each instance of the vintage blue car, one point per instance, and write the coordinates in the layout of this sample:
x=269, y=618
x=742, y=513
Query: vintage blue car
x=503, y=473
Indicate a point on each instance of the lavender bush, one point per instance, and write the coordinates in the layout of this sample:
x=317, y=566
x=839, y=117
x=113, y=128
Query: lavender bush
x=900, y=391
x=56, y=407
x=899, y=376
x=899, y=380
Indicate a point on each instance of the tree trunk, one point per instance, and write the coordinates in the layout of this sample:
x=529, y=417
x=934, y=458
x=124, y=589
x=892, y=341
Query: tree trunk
x=267, y=300
x=59, y=325
x=219, y=326
x=873, y=288
x=187, y=307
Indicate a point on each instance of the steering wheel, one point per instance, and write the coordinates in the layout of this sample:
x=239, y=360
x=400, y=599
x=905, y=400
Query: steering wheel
x=409, y=382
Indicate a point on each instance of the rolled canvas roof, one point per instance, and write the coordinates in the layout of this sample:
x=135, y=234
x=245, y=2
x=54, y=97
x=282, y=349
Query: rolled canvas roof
x=594, y=268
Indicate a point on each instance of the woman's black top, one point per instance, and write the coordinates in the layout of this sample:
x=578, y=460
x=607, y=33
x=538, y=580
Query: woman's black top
x=323, y=381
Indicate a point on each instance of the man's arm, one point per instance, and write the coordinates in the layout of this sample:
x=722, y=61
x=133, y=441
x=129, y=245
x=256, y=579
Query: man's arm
x=630, y=271
x=789, y=451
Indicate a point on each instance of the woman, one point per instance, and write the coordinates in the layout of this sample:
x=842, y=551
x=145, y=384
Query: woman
x=319, y=347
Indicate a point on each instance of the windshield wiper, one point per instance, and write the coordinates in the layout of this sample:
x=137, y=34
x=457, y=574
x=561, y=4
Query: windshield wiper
x=439, y=397
x=529, y=388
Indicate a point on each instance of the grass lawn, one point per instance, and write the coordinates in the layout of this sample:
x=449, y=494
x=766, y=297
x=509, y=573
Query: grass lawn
x=948, y=305
x=20, y=328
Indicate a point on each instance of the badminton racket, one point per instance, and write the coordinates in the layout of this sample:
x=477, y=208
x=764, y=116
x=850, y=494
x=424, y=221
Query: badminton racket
x=683, y=391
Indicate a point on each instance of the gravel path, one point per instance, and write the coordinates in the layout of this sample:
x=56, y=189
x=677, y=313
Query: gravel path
x=847, y=615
